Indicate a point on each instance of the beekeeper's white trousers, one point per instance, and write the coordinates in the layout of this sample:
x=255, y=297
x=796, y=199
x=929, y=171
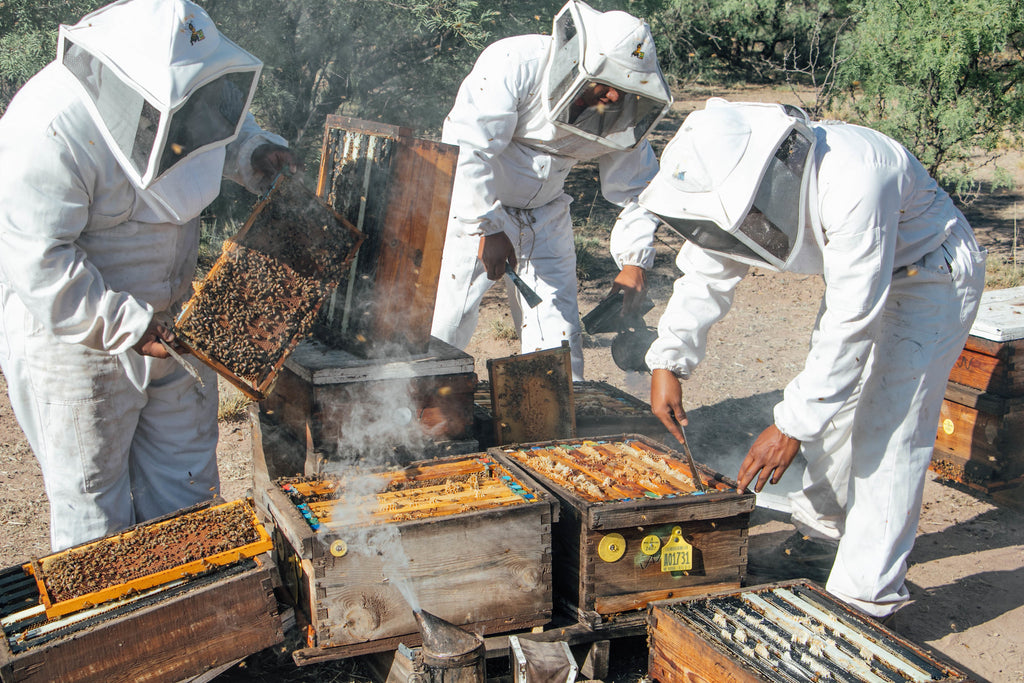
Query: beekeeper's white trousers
x=547, y=263
x=111, y=455
x=864, y=480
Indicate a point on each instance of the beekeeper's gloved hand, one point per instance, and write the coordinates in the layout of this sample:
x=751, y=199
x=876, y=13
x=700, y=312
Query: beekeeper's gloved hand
x=269, y=159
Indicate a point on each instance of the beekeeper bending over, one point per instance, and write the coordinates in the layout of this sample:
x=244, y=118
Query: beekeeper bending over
x=109, y=155
x=530, y=109
x=760, y=185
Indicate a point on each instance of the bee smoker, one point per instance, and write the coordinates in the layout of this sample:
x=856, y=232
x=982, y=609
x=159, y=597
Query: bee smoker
x=633, y=336
x=449, y=654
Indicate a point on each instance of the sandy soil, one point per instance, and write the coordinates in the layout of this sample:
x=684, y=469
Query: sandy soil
x=966, y=573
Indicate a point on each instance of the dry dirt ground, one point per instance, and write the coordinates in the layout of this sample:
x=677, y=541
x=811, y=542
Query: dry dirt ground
x=966, y=573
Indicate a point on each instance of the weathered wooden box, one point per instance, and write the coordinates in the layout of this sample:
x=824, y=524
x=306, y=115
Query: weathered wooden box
x=323, y=393
x=156, y=629
x=396, y=190
x=465, y=538
x=980, y=437
x=993, y=357
x=980, y=441
x=632, y=525
x=788, y=631
x=600, y=409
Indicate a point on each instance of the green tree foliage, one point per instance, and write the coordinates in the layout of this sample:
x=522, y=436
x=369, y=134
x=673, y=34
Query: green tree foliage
x=759, y=40
x=28, y=37
x=943, y=77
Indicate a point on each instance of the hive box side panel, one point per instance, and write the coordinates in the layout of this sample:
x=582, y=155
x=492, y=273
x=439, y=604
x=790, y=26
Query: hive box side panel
x=470, y=569
x=999, y=373
x=443, y=406
x=414, y=233
x=975, y=447
x=678, y=654
x=170, y=641
x=290, y=405
x=719, y=558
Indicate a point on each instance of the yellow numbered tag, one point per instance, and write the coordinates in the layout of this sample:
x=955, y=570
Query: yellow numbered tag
x=948, y=426
x=339, y=548
x=650, y=545
x=677, y=555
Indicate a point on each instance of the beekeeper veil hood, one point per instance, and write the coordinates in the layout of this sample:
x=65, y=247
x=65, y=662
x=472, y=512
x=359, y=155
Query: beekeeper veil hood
x=161, y=82
x=734, y=180
x=593, y=51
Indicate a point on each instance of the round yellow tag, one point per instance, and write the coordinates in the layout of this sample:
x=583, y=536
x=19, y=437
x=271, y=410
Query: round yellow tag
x=650, y=545
x=611, y=547
x=339, y=548
x=948, y=426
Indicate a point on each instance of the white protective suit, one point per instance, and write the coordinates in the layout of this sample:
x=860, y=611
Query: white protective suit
x=903, y=276
x=90, y=253
x=513, y=162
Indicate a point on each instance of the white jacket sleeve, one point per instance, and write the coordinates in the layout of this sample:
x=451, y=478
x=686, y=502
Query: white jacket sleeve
x=44, y=206
x=860, y=213
x=624, y=175
x=238, y=157
x=482, y=123
x=700, y=298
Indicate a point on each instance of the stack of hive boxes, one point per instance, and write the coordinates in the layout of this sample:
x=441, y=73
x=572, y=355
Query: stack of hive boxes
x=981, y=427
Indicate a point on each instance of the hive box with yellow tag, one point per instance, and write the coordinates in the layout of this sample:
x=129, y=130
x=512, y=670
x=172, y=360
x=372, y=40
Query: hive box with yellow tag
x=464, y=538
x=979, y=442
x=633, y=525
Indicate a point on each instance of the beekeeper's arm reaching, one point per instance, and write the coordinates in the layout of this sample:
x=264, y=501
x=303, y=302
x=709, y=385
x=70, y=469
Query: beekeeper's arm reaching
x=700, y=298
x=624, y=175
x=482, y=123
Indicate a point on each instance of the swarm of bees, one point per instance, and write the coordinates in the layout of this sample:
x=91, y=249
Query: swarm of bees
x=248, y=312
x=147, y=550
x=263, y=294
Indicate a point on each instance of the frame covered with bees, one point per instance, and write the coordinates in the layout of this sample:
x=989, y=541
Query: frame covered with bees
x=464, y=537
x=148, y=604
x=264, y=291
x=634, y=525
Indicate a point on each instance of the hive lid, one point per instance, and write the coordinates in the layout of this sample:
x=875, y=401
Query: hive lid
x=1000, y=315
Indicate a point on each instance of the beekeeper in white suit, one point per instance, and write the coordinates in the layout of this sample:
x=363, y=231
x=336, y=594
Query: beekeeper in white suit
x=109, y=155
x=530, y=109
x=760, y=185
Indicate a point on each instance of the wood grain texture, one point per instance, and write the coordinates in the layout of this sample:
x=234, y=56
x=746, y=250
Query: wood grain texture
x=183, y=636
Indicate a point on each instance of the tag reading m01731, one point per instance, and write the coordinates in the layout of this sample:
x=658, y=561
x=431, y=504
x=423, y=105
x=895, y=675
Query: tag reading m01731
x=676, y=554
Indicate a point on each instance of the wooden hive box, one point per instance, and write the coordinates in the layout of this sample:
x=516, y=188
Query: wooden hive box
x=980, y=440
x=980, y=437
x=396, y=190
x=466, y=538
x=788, y=631
x=155, y=630
x=993, y=357
x=600, y=409
x=627, y=515
x=320, y=386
